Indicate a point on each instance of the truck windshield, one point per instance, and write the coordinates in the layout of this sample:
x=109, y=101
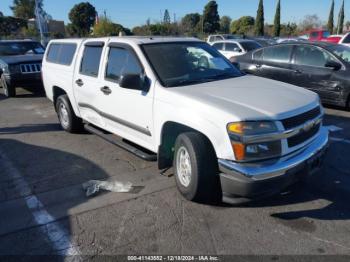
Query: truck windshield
x=185, y=63
x=20, y=48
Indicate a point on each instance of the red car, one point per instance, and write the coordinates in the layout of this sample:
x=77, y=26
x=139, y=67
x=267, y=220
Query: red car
x=317, y=35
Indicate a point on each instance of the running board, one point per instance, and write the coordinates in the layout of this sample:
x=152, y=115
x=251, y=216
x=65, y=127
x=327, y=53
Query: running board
x=115, y=140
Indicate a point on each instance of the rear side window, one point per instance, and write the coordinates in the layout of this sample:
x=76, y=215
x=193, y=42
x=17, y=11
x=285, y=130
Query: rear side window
x=62, y=53
x=280, y=54
x=219, y=46
x=90, y=62
x=121, y=62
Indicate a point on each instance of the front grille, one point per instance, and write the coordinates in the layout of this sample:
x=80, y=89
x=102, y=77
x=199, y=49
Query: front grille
x=30, y=68
x=303, y=136
x=301, y=119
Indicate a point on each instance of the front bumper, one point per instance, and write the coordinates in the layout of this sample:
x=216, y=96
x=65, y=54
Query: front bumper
x=24, y=80
x=245, y=182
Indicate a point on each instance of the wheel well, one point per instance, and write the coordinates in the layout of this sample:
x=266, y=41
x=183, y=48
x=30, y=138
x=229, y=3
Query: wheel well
x=170, y=131
x=57, y=92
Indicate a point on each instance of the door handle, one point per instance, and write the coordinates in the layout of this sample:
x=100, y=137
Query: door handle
x=106, y=90
x=298, y=72
x=79, y=82
x=258, y=66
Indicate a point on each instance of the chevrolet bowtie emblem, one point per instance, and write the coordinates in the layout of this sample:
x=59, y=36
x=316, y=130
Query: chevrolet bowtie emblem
x=309, y=125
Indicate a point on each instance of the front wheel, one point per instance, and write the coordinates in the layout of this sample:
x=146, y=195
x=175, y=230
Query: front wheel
x=9, y=90
x=68, y=120
x=196, y=168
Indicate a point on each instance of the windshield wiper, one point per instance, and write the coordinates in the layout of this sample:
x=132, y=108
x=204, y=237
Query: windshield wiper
x=189, y=82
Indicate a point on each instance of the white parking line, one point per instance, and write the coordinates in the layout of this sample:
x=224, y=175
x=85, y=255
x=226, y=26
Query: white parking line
x=58, y=236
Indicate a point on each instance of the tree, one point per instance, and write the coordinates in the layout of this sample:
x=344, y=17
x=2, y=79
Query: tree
x=330, y=24
x=243, y=25
x=341, y=17
x=259, y=21
x=310, y=22
x=289, y=29
x=11, y=25
x=166, y=19
x=347, y=25
x=190, y=22
x=225, y=23
x=277, y=21
x=24, y=9
x=211, y=18
x=105, y=27
x=1, y=14
x=82, y=17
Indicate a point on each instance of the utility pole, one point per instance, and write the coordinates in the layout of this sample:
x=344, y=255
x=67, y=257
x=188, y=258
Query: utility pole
x=39, y=21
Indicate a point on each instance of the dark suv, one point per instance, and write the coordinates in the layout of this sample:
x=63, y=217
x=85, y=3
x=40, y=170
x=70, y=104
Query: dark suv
x=20, y=65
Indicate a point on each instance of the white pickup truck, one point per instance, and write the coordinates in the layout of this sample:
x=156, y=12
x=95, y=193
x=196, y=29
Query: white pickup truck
x=179, y=101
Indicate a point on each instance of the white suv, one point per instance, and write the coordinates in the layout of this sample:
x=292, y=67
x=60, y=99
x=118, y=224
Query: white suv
x=228, y=135
x=233, y=48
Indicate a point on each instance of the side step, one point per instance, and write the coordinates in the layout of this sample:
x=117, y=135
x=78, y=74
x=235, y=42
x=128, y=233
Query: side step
x=115, y=140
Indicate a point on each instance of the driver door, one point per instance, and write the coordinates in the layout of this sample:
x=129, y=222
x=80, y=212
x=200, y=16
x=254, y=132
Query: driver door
x=309, y=71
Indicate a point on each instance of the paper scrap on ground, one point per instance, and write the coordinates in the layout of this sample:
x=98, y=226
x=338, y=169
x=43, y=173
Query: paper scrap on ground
x=92, y=187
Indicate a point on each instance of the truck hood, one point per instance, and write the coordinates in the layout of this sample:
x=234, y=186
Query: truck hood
x=251, y=97
x=18, y=59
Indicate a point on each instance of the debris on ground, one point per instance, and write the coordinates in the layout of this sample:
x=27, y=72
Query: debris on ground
x=92, y=187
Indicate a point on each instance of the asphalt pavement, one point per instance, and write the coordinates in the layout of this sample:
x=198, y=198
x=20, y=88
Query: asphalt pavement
x=44, y=210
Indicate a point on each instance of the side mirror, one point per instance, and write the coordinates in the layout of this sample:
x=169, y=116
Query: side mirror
x=132, y=81
x=237, y=50
x=334, y=65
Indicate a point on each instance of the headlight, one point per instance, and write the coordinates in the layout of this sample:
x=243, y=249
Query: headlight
x=245, y=151
x=14, y=69
x=5, y=69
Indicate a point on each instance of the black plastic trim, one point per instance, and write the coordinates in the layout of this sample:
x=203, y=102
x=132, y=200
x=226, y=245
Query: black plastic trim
x=117, y=120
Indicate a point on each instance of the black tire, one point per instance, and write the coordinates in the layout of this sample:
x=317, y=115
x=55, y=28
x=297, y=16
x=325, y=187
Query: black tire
x=204, y=185
x=68, y=120
x=8, y=90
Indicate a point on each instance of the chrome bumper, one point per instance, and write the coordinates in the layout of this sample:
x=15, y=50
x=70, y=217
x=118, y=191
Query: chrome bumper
x=251, y=180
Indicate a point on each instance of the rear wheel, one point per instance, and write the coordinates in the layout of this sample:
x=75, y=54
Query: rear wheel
x=9, y=90
x=195, y=167
x=68, y=120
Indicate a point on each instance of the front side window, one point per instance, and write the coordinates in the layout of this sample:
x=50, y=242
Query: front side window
x=187, y=63
x=90, y=62
x=232, y=47
x=280, y=54
x=121, y=62
x=311, y=56
x=219, y=46
x=341, y=51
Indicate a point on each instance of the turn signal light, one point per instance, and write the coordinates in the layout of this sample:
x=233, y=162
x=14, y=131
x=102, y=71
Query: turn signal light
x=239, y=150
